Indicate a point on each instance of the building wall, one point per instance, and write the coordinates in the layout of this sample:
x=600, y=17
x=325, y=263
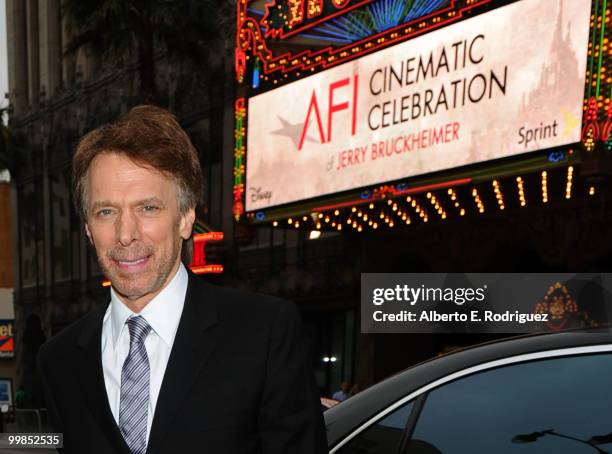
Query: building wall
x=39, y=69
x=6, y=243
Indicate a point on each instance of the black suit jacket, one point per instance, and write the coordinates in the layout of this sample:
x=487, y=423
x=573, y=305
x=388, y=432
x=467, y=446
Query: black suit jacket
x=238, y=380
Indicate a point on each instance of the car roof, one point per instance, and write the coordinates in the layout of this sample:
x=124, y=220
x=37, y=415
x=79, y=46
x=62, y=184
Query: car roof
x=350, y=414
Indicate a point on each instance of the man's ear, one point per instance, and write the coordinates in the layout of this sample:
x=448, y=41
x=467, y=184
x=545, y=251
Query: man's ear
x=186, y=225
x=88, y=232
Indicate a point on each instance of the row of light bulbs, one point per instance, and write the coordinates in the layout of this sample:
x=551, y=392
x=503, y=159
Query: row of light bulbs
x=395, y=211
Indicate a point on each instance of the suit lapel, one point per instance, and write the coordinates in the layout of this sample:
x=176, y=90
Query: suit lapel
x=91, y=378
x=195, y=340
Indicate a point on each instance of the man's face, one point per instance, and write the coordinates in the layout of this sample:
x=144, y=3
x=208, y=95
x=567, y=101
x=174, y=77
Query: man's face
x=133, y=221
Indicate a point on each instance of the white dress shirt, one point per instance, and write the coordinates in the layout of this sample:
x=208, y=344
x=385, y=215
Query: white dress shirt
x=163, y=314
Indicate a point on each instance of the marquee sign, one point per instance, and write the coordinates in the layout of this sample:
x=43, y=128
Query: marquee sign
x=476, y=91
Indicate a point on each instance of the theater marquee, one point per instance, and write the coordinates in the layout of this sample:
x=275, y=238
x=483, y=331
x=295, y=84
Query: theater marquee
x=503, y=83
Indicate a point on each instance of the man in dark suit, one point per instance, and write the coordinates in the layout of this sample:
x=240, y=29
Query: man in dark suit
x=172, y=364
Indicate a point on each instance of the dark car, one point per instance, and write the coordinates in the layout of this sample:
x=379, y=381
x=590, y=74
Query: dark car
x=548, y=393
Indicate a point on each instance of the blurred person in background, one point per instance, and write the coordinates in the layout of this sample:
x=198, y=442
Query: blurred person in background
x=343, y=393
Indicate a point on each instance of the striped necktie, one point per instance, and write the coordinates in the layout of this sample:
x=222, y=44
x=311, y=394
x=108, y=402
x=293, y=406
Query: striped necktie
x=134, y=400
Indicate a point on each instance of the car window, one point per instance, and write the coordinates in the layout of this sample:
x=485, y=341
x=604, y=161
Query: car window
x=560, y=405
x=383, y=437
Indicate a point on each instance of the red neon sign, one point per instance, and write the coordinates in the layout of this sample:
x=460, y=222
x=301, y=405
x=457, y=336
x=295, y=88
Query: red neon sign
x=198, y=262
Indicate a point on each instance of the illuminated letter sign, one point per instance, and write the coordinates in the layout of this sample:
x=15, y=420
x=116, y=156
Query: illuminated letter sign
x=198, y=262
x=7, y=342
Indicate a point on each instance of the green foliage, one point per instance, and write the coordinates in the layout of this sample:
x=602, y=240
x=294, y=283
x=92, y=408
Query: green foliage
x=114, y=28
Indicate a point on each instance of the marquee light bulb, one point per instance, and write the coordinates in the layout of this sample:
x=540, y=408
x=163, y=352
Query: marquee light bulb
x=545, y=186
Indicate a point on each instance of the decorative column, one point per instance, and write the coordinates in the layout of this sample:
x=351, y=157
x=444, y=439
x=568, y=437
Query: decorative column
x=17, y=55
x=50, y=46
x=33, y=52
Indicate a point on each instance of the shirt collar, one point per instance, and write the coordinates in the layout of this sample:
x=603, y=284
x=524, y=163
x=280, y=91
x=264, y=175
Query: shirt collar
x=163, y=312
